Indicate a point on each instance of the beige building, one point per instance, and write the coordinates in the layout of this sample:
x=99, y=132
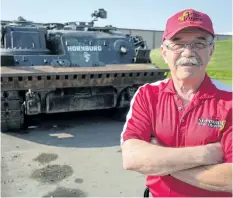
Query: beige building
x=153, y=37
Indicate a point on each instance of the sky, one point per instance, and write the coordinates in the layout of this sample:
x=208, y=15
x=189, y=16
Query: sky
x=145, y=14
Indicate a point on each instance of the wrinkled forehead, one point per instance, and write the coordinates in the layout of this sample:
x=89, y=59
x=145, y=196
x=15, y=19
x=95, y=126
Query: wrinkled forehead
x=191, y=34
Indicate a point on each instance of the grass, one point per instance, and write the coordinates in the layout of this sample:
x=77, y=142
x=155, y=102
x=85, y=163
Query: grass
x=220, y=66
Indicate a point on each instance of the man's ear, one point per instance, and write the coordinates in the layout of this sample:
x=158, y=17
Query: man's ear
x=212, y=50
x=163, y=53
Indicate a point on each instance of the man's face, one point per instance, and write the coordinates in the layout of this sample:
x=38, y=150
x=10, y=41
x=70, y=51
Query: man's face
x=185, y=62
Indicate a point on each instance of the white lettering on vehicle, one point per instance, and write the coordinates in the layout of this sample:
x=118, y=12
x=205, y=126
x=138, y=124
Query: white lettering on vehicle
x=86, y=56
x=84, y=48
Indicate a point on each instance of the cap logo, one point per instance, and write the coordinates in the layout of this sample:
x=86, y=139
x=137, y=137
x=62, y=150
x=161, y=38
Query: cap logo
x=190, y=16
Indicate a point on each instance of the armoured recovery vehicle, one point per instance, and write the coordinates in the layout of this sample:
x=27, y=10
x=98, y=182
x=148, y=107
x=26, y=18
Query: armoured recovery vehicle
x=51, y=68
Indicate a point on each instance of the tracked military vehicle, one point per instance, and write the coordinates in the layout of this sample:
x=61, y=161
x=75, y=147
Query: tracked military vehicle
x=51, y=68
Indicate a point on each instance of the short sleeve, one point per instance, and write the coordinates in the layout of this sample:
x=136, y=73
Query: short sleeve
x=138, y=122
x=226, y=140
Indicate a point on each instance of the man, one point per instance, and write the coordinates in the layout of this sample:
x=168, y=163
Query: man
x=189, y=117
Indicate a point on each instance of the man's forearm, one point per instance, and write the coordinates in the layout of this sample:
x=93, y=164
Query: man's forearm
x=152, y=159
x=213, y=177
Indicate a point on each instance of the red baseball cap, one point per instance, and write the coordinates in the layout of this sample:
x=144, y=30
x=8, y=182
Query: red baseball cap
x=187, y=18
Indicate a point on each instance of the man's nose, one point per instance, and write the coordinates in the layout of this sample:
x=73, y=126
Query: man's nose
x=188, y=52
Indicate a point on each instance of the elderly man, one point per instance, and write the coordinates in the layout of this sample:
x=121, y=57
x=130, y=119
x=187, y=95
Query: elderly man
x=178, y=131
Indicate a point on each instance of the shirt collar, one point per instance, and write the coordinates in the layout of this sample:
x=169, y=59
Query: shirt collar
x=206, y=90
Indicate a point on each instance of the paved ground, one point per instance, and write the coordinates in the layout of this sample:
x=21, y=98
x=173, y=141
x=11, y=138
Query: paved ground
x=76, y=157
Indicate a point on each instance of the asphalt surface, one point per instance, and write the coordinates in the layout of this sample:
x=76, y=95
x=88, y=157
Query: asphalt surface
x=67, y=156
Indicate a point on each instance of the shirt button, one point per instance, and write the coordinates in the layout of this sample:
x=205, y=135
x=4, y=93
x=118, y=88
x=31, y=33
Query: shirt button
x=179, y=108
x=182, y=120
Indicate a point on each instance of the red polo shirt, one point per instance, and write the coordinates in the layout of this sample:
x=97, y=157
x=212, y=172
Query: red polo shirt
x=156, y=109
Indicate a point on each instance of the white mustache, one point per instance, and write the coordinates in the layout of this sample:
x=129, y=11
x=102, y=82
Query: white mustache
x=193, y=60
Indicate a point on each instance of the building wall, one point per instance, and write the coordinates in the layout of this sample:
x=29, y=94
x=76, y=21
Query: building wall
x=153, y=37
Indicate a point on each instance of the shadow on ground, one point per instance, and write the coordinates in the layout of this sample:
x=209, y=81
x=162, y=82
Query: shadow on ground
x=82, y=129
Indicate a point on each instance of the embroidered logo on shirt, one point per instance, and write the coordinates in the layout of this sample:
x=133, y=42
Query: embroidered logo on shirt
x=212, y=123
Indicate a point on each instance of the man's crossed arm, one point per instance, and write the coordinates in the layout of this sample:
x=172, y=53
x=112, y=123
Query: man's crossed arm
x=217, y=177
x=200, y=166
x=212, y=177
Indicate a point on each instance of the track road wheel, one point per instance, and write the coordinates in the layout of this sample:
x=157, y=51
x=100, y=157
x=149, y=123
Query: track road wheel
x=13, y=124
x=12, y=112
